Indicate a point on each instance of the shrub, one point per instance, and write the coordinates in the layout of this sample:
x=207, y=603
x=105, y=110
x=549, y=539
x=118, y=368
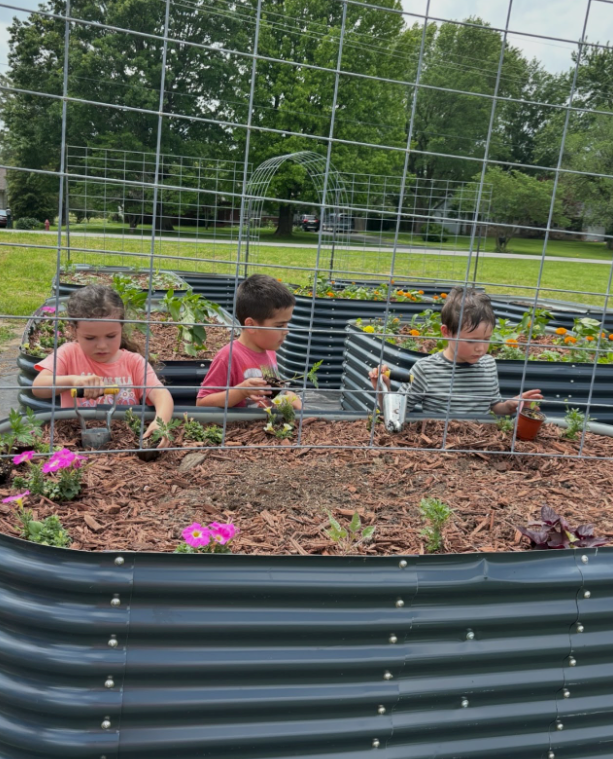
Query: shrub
x=433, y=233
x=27, y=222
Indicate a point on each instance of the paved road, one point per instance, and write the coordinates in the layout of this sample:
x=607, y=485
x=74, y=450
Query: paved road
x=77, y=237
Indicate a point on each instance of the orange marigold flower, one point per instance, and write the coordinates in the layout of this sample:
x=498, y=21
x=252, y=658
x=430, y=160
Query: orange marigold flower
x=392, y=281
x=414, y=332
x=436, y=297
x=611, y=337
x=561, y=331
x=330, y=293
x=331, y=281
x=589, y=338
x=511, y=341
x=570, y=339
x=279, y=280
x=443, y=295
x=420, y=292
x=603, y=334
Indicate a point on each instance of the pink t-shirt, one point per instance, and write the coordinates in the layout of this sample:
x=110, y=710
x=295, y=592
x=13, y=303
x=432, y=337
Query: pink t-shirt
x=246, y=364
x=128, y=370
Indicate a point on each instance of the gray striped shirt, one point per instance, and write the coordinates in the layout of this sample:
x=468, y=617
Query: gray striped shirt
x=475, y=387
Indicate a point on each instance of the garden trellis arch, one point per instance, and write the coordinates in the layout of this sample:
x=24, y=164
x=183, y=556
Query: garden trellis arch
x=332, y=194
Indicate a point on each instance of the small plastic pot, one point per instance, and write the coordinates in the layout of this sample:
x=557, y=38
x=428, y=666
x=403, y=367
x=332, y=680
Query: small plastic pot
x=529, y=423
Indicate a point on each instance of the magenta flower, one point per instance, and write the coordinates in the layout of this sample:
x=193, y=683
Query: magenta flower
x=62, y=460
x=223, y=533
x=25, y=456
x=48, y=310
x=196, y=535
x=17, y=497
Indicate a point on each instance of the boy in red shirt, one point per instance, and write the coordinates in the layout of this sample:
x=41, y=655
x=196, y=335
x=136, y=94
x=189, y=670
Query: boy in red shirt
x=264, y=308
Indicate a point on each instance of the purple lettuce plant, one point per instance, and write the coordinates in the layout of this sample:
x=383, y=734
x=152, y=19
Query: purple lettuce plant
x=553, y=531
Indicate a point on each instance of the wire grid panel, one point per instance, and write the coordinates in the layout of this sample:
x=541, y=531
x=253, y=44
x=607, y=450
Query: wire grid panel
x=343, y=138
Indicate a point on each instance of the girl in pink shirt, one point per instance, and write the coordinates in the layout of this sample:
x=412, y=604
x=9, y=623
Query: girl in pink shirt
x=101, y=355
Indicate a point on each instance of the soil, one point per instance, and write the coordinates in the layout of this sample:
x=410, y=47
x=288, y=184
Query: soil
x=160, y=281
x=279, y=496
x=163, y=340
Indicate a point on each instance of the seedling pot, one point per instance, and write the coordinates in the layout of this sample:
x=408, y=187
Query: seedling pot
x=529, y=423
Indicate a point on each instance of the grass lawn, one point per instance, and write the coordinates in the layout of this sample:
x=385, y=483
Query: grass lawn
x=27, y=272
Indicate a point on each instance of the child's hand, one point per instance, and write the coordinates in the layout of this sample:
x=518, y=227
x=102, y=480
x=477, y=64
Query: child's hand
x=294, y=399
x=164, y=442
x=93, y=385
x=373, y=375
x=528, y=395
x=255, y=388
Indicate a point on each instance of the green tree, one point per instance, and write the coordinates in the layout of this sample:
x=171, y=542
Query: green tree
x=518, y=200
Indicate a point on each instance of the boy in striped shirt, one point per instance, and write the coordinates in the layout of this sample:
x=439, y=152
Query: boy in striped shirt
x=463, y=370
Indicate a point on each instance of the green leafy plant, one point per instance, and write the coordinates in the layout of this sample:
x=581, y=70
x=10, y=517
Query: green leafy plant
x=281, y=418
x=64, y=470
x=437, y=514
x=350, y=537
x=24, y=432
x=49, y=532
x=133, y=421
x=164, y=430
x=214, y=538
x=189, y=311
x=504, y=423
x=575, y=420
x=134, y=300
x=195, y=431
x=27, y=222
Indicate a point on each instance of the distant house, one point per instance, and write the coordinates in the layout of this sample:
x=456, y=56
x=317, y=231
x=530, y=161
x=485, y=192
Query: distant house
x=3, y=195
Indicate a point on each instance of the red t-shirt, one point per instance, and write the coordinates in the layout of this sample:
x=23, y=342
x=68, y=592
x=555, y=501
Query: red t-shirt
x=128, y=370
x=246, y=363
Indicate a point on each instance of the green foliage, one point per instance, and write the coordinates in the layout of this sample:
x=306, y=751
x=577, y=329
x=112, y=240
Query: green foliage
x=350, y=537
x=133, y=422
x=281, y=418
x=164, y=430
x=437, y=514
x=24, y=432
x=189, y=311
x=49, y=532
x=64, y=486
x=504, y=423
x=27, y=222
x=193, y=430
x=575, y=422
x=433, y=233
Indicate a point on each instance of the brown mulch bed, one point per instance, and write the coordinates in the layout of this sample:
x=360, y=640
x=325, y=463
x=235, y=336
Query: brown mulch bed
x=106, y=279
x=279, y=497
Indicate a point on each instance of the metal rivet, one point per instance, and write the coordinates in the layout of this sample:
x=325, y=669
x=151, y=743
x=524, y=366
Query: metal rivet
x=116, y=601
x=381, y=710
x=393, y=638
x=559, y=726
x=580, y=628
x=106, y=723
x=566, y=693
x=109, y=682
x=571, y=382
x=400, y=603
x=402, y=563
x=464, y=703
x=376, y=743
x=387, y=675
x=584, y=559
x=470, y=635
x=587, y=594
x=113, y=641
x=119, y=561
x=572, y=662
x=551, y=755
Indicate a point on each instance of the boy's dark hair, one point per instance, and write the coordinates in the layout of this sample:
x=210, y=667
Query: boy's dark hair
x=474, y=306
x=98, y=302
x=260, y=296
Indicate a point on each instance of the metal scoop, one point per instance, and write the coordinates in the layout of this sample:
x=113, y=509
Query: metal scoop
x=98, y=437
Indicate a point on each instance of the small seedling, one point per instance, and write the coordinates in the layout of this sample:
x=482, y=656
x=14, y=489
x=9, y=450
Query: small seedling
x=437, y=514
x=24, y=431
x=504, y=423
x=195, y=431
x=350, y=537
x=164, y=430
x=575, y=421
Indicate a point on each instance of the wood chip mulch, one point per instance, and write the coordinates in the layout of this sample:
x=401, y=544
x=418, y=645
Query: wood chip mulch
x=279, y=497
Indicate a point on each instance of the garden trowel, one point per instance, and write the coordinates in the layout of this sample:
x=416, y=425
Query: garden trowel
x=97, y=437
x=394, y=404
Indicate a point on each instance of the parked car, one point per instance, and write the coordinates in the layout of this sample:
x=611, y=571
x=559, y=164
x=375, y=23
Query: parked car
x=309, y=223
x=2, y=218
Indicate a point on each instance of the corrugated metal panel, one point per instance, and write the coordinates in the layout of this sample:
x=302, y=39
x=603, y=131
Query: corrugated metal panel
x=563, y=381
x=256, y=656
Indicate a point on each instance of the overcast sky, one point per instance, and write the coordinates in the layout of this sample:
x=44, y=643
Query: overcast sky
x=555, y=18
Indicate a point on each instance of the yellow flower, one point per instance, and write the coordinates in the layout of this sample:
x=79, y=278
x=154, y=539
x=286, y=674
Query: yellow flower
x=369, y=328
x=560, y=331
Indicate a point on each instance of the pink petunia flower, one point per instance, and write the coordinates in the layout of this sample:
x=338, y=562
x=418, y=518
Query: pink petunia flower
x=196, y=535
x=63, y=460
x=21, y=457
x=18, y=497
x=223, y=533
x=48, y=310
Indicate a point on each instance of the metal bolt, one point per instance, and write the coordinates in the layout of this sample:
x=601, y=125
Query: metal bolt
x=580, y=628
x=387, y=675
x=116, y=601
x=393, y=638
x=551, y=755
x=106, y=723
x=119, y=561
x=566, y=693
x=109, y=682
x=570, y=396
x=402, y=563
x=587, y=594
x=381, y=710
x=470, y=635
x=559, y=726
x=584, y=559
x=376, y=743
x=572, y=662
x=399, y=603
x=464, y=703
x=113, y=641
